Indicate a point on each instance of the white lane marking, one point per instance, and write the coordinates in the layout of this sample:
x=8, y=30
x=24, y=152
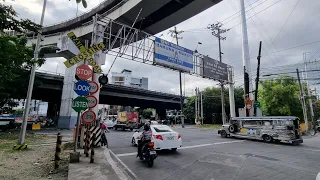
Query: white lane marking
x=124, y=165
x=195, y=146
x=126, y=154
x=186, y=147
x=315, y=150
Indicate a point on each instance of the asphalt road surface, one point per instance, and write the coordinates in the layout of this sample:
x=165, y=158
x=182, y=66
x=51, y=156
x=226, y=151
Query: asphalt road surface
x=207, y=156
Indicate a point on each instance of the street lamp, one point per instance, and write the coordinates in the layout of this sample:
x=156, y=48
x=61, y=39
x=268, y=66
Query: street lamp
x=31, y=81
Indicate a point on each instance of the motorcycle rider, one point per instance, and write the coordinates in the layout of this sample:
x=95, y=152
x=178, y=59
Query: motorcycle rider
x=145, y=138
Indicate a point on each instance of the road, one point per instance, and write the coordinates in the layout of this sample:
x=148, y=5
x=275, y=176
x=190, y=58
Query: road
x=207, y=156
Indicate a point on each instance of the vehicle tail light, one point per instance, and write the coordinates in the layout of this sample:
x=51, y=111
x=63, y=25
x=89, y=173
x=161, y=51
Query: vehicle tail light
x=179, y=136
x=151, y=144
x=158, y=137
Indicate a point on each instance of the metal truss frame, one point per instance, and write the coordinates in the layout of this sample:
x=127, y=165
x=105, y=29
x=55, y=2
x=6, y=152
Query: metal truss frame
x=133, y=44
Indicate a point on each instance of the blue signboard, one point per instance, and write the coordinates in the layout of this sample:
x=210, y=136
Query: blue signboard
x=82, y=88
x=172, y=56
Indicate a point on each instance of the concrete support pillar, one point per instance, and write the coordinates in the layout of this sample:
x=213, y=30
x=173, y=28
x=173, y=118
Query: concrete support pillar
x=99, y=57
x=68, y=117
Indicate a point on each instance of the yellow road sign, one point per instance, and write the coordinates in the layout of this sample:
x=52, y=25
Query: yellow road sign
x=85, y=53
x=76, y=41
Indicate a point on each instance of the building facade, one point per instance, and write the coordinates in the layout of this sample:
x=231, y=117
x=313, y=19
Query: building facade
x=125, y=78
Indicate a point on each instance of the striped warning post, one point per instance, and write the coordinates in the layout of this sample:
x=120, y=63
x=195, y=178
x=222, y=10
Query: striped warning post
x=20, y=147
x=92, y=129
x=92, y=148
x=58, y=151
x=87, y=143
x=95, y=130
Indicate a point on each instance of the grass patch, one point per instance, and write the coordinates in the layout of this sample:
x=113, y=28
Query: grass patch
x=210, y=126
x=10, y=138
x=67, y=145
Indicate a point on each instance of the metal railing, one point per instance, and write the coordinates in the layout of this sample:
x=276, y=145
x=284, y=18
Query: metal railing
x=50, y=72
x=12, y=33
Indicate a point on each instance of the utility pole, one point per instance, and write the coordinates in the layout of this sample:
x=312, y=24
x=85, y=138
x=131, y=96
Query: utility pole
x=217, y=31
x=257, y=79
x=246, y=57
x=175, y=33
x=231, y=94
x=303, y=103
x=199, y=110
x=196, y=107
x=309, y=94
x=31, y=81
x=201, y=96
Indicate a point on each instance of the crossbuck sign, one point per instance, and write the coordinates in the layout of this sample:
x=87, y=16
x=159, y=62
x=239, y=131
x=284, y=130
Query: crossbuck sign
x=85, y=53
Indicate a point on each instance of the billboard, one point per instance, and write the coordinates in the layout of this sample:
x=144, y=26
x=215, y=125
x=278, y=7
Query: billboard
x=214, y=69
x=173, y=56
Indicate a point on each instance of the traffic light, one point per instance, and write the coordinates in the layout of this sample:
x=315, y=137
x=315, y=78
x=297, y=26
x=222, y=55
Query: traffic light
x=103, y=79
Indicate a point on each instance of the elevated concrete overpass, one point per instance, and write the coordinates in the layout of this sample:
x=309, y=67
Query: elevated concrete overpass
x=155, y=16
x=50, y=90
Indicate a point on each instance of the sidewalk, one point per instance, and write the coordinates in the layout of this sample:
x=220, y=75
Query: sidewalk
x=312, y=141
x=103, y=168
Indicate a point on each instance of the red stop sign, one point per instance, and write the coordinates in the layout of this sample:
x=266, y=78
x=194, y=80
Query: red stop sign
x=83, y=72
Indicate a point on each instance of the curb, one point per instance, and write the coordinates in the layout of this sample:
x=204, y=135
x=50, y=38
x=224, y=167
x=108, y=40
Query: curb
x=124, y=167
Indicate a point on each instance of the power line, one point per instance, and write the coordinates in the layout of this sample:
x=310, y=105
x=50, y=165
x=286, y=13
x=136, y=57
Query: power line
x=290, y=48
x=285, y=23
x=231, y=3
x=256, y=13
x=315, y=70
x=246, y=11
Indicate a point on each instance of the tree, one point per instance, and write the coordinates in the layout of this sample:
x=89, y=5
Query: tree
x=316, y=109
x=9, y=21
x=147, y=113
x=280, y=97
x=212, y=105
x=15, y=57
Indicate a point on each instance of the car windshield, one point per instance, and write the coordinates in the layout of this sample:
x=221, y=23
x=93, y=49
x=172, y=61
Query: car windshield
x=162, y=128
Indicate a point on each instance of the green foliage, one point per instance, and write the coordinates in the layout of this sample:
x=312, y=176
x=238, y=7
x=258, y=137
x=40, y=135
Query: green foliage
x=147, y=113
x=84, y=3
x=9, y=21
x=16, y=58
x=316, y=109
x=280, y=97
x=212, y=105
x=18, y=112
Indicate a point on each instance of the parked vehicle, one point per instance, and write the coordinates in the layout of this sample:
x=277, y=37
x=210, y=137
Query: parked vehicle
x=127, y=120
x=148, y=153
x=110, y=124
x=269, y=129
x=6, y=122
x=162, y=136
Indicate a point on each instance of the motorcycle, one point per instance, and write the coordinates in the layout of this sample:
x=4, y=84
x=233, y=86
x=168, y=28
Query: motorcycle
x=148, y=153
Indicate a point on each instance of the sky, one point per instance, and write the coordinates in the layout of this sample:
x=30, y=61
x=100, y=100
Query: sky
x=281, y=25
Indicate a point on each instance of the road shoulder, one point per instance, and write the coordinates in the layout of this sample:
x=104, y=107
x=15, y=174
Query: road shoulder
x=103, y=168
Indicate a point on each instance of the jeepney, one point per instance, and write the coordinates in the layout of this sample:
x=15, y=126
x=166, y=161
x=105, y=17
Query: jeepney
x=266, y=128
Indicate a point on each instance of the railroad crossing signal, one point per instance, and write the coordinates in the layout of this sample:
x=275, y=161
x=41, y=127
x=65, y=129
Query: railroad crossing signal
x=84, y=53
x=83, y=72
x=80, y=104
x=82, y=88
